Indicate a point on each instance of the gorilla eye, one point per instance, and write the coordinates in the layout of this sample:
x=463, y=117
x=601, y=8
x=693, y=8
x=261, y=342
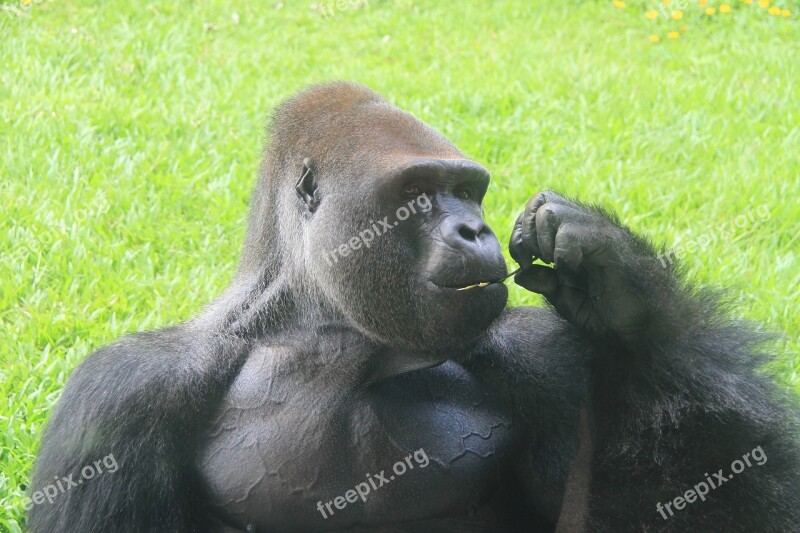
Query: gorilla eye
x=412, y=190
x=463, y=194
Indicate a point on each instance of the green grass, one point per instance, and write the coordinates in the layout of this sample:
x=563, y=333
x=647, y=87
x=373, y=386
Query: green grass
x=130, y=135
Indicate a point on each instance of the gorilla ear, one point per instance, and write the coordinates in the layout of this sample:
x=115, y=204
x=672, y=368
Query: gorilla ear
x=307, y=187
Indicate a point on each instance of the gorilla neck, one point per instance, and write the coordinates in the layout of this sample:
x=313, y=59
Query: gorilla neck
x=277, y=309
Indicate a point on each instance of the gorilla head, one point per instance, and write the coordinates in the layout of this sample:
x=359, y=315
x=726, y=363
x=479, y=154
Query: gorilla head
x=377, y=218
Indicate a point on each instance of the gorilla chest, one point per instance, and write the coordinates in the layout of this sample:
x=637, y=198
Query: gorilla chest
x=428, y=443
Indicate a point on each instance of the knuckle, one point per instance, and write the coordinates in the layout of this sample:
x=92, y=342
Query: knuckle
x=546, y=216
x=536, y=200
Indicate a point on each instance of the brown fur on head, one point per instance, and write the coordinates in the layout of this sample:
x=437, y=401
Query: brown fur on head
x=339, y=159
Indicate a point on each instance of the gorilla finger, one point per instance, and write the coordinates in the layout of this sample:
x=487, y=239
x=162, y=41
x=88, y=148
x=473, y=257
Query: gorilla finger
x=535, y=202
x=531, y=206
x=550, y=218
x=516, y=246
x=528, y=224
x=551, y=197
x=547, y=223
x=538, y=278
x=567, y=253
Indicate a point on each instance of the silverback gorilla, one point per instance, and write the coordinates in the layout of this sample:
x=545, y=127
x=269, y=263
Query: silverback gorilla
x=343, y=348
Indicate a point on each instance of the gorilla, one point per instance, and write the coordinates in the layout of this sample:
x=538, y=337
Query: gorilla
x=362, y=372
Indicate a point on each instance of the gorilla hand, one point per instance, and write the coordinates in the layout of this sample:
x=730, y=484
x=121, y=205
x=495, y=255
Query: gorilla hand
x=593, y=284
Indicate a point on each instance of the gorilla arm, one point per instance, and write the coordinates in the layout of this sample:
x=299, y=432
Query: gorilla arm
x=142, y=399
x=675, y=390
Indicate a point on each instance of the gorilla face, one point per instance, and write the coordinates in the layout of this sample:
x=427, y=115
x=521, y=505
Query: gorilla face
x=391, y=249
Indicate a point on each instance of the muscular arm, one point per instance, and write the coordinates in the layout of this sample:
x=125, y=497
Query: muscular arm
x=141, y=401
x=675, y=387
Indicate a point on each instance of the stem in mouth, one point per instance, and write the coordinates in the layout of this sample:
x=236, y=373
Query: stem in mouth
x=486, y=283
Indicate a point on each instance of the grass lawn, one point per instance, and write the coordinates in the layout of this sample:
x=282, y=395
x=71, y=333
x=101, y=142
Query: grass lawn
x=130, y=133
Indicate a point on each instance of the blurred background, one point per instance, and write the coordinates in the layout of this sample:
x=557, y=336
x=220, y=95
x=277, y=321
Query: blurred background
x=130, y=134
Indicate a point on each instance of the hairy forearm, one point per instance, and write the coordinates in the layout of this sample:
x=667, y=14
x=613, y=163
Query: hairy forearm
x=679, y=401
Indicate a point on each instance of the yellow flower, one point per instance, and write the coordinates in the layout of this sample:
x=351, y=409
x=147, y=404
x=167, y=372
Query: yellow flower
x=677, y=15
x=724, y=8
x=673, y=35
x=763, y=3
x=710, y=11
x=654, y=39
x=618, y=3
x=666, y=2
x=774, y=10
x=703, y=3
x=786, y=13
x=26, y=2
x=683, y=28
x=748, y=1
x=651, y=14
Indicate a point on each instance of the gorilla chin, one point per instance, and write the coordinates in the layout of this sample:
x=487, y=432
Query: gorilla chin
x=446, y=322
x=460, y=317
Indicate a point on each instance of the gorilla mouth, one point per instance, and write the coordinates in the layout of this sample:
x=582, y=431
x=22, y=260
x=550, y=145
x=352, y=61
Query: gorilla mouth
x=476, y=285
x=481, y=284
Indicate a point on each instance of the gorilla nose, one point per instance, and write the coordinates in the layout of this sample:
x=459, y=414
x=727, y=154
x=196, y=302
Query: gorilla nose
x=470, y=232
x=465, y=233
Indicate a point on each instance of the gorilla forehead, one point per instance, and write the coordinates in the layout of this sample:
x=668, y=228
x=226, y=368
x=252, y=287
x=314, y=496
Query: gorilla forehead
x=348, y=128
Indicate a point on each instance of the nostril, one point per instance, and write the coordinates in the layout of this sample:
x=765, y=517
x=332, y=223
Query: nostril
x=467, y=233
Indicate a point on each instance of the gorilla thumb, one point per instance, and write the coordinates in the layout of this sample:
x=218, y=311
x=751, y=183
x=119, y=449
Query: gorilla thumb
x=538, y=278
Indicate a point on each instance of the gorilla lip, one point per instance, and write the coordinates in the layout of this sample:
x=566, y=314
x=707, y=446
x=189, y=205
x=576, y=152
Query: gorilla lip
x=487, y=283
